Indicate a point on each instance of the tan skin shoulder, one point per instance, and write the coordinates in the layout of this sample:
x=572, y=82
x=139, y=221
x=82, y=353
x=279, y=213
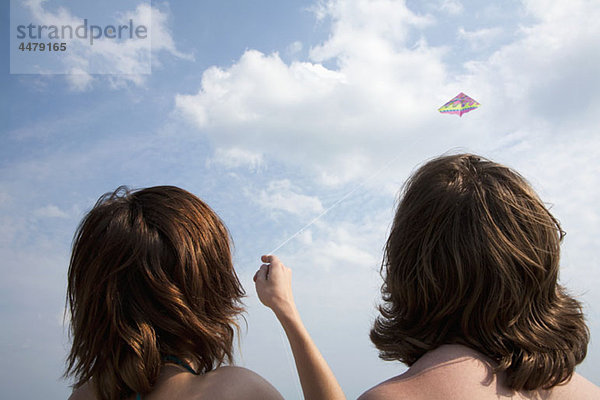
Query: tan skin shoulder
x=385, y=392
x=455, y=372
x=228, y=382
x=441, y=373
x=397, y=388
x=577, y=388
x=232, y=382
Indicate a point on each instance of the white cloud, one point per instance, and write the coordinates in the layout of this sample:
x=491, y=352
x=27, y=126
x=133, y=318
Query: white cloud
x=120, y=62
x=61, y=17
x=257, y=88
x=452, y=7
x=294, y=48
x=236, y=157
x=281, y=195
x=362, y=28
x=340, y=249
x=547, y=78
x=381, y=98
x=160, y=34
x=50, y=211
x=336, y=287
x=370, y=93
x=540, y=94
x=481, y=38
x=359, y=112
x=79, y=80
x=305, y=237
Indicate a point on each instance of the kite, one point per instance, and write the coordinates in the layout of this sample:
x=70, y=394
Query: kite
x=459, y=105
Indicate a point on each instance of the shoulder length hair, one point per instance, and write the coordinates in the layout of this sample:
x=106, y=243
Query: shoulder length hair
x=150, y=275
x=472, y=258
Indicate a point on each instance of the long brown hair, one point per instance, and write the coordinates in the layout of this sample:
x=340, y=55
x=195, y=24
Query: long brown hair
x=473, y=258
x=150, y=275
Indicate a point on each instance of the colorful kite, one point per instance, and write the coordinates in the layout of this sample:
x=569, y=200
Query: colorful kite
x=459, y=105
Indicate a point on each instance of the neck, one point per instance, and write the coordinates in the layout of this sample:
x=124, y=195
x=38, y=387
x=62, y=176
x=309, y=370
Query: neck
x=445, y=355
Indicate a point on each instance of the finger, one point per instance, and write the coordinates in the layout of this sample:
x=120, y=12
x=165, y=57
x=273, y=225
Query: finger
x=270, y=258
x=277, y=270
x=256, y=273
x=262, y=274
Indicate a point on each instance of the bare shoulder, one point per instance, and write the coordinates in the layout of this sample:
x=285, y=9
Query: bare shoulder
x=381, y=393
x=447, y=372
x=448, y=382
x=577, y=388
x=222, y=383
x=230, y=381
x=397, y=388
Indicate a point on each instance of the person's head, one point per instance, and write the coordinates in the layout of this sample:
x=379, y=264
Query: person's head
x=150, y=275
x=472, y=259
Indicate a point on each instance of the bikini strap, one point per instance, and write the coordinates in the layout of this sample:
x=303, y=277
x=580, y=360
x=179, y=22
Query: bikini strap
x=177, y=361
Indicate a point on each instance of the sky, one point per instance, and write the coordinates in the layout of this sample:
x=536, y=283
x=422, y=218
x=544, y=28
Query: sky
x=274, y=112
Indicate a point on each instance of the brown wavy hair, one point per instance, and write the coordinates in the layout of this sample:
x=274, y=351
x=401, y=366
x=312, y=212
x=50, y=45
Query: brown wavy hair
x=473, y=258
x=150, y=275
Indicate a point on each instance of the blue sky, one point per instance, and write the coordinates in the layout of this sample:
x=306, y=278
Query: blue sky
x=271, y=112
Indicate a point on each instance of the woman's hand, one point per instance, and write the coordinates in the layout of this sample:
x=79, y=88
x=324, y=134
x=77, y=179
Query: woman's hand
x=274, y=286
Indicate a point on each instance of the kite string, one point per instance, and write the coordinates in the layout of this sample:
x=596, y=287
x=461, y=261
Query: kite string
x=335, y=204
x=315, y=219
x=281, y=332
